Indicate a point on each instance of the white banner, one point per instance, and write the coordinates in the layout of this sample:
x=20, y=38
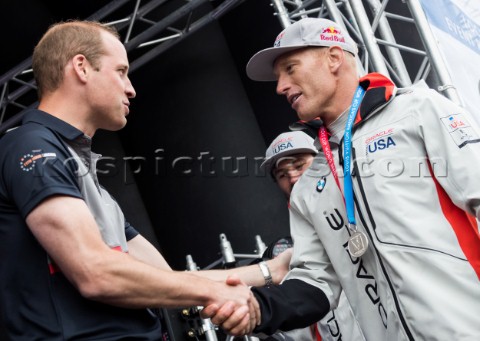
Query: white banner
x=456, y=26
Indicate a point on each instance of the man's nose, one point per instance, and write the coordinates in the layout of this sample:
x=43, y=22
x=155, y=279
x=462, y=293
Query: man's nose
x=293, y=176
x=282, y=85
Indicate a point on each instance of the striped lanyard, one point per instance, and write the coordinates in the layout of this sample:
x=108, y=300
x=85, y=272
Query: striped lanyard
x=347, y=151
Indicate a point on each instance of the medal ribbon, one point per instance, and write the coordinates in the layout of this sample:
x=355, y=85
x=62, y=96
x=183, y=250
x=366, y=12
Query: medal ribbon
x=347, y=149
x=323, y=137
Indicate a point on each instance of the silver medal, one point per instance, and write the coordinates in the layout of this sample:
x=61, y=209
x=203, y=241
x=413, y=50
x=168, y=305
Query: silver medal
x=357, y=244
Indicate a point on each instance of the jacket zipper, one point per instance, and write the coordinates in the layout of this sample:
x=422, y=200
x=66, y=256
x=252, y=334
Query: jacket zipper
x=372, y=221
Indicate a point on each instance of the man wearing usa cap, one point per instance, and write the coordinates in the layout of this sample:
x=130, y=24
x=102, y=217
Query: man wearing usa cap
x=387, y=211
x=289, y=155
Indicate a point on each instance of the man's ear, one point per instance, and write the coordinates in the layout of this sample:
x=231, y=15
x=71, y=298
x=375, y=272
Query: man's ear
x=80, y=66
x=335, y=56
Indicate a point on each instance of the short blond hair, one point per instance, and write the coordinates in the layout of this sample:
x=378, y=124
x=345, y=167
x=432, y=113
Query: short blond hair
x=60, y=43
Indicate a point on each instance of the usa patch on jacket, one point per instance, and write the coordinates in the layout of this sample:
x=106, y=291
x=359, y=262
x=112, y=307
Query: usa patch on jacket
x=460, y=129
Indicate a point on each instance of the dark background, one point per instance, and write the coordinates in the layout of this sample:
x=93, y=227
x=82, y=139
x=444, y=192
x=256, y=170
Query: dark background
x=196, y=112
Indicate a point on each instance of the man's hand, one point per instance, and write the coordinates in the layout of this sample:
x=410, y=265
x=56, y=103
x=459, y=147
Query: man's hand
x=236, y=322
x=254, y=310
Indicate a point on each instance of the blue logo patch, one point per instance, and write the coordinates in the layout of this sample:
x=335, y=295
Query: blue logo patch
x=381, y=144
x=282, y=147
x=321, y=184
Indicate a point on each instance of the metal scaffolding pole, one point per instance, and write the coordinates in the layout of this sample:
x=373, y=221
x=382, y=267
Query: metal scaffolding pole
x=434, y=55
x=152, y=38
x=399, y=68
x=337, y=16
x=369, y=39
x=281, y=12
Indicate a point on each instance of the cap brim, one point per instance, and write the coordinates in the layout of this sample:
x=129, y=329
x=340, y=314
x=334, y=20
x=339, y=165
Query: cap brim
x=260, y=66
x=268, y=164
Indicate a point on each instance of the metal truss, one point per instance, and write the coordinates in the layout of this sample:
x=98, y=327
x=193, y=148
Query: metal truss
x=148, y=28
x=383, y=31
x=378, y=27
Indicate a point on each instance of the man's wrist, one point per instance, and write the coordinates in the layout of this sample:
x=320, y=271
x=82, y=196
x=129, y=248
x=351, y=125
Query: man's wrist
x=267, y=275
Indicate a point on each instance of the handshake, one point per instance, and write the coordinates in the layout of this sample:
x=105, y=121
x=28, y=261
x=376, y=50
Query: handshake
x=239, y=314
x=232, y=305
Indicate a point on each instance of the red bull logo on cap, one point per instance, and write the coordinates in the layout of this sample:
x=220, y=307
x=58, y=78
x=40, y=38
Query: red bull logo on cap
x=332, y=34
x=331, y=30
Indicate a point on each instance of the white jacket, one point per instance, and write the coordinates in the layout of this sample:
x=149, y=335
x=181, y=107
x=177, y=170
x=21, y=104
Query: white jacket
x=416, y=158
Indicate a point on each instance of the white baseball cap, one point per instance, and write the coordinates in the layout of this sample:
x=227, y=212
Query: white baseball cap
x=285, y=144
x=303, y=33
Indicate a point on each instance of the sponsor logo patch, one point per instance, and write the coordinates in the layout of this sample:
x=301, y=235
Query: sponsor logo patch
x=460, y=129
x=332, y=34
x=278, y=39
x=380, y=140
x=28, y=161
x=321, y=184
x=282, y=144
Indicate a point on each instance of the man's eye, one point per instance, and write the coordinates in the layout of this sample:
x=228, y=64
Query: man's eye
x=300, y=166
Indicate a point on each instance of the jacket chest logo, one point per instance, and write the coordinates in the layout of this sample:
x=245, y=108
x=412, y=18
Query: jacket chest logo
x=381, y=140
x=381, y=144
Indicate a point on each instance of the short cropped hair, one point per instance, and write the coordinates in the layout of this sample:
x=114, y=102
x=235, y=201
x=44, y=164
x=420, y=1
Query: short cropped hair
x=60, y=43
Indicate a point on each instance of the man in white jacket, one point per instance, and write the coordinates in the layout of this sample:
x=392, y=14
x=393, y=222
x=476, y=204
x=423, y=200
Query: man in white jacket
x=288, y=156
x=388, y=210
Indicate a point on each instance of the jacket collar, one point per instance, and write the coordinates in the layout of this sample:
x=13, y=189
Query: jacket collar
x=379, y=90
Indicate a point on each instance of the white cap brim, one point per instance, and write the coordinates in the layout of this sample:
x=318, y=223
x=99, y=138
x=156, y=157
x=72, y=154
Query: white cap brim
x=260, y=66
x=268, y=164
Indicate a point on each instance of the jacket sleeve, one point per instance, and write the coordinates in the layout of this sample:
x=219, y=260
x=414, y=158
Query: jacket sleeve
x=452, y=139
x=290, y=305
x=304, y=296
